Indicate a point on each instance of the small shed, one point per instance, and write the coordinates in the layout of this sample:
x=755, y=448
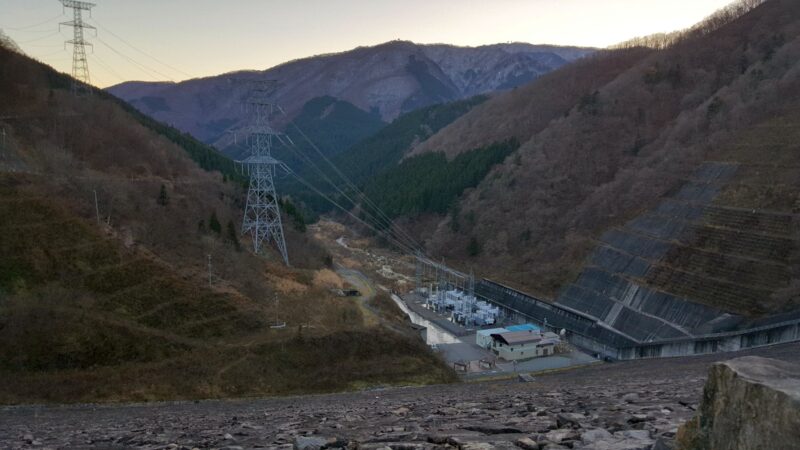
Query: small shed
x=484, y=337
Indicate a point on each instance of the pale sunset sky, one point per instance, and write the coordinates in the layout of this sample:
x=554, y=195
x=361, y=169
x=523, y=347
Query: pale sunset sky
x=178, y=39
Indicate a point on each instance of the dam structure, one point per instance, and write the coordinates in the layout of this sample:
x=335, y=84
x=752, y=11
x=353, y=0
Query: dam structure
x=687, y=277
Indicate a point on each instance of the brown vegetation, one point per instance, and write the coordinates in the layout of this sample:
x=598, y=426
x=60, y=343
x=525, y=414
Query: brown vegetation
x=105, y=288
x=616, y=132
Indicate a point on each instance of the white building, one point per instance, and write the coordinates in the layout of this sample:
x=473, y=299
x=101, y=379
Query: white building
x=517, y=345
x=484, y=337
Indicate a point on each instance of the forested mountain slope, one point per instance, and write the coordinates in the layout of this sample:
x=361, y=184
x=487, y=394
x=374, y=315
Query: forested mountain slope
x=122, y=275
x=606, y=139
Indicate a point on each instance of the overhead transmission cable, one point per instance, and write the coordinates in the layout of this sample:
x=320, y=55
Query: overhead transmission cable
x=404, y=242
x=291, y=146
x=404, y=247
x=28, y=27
x=349, y=184
x=54, y=33
x=121, y=39
x=352, y=186
x=49, y=54
x=147, y=70
x=377, y=216
x=108, y=68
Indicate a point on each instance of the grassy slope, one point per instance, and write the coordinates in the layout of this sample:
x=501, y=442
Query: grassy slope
x=122, y=309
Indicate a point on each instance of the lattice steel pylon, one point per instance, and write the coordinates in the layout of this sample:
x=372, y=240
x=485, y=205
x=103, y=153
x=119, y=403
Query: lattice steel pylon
x=80, y=66
x=262, y=216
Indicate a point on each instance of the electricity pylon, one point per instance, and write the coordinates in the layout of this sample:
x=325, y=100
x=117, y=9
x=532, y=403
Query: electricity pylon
x=80, y=67
x=262, y=217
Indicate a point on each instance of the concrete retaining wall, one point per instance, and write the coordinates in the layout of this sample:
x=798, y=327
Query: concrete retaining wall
x=587, y=333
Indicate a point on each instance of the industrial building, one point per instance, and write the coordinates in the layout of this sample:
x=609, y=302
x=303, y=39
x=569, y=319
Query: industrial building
x=518, y=345
x=483, y=338
x=462, y=307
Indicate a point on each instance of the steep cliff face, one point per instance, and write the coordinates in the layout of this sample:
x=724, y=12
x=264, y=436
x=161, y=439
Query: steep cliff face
x=748, y=403
x=387, y=79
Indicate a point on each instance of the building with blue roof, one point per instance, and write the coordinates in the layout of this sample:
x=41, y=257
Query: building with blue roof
x=524, y=327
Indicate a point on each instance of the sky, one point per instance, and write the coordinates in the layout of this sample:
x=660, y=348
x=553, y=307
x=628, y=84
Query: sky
x=172, y=40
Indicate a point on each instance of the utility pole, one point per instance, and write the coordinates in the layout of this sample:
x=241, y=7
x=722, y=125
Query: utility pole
x=80, y=66
x=262, y=217
x=210, y=275
x=418, y=274
x=96, y=206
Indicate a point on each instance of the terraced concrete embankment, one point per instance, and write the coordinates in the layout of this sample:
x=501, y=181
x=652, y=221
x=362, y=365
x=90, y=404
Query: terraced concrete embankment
x=687, y=277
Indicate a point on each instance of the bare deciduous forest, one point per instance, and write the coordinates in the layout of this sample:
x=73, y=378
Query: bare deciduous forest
x=604, y=139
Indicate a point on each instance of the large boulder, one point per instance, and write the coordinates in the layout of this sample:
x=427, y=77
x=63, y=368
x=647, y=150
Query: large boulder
x=748, y=403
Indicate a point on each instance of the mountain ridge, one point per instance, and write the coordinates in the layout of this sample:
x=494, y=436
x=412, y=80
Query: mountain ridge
x=386, y=79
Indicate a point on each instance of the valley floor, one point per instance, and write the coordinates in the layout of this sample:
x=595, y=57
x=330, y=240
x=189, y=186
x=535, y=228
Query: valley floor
x=629, y=403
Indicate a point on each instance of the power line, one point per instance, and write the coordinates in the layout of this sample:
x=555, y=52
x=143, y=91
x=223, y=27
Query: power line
x=411, y=244
x=141, y=51
x=35, y=24
x=352, y=186
x=108, y=68
x=399, y=241
x=54, y=33
x=365, y=200
x=388, y=236
x=50, y=54
x=146, y=70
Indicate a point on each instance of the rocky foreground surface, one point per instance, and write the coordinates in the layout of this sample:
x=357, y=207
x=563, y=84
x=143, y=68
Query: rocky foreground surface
x=624, y=406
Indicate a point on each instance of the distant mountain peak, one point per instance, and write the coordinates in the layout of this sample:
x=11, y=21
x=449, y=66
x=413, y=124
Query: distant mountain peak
x=389, y=79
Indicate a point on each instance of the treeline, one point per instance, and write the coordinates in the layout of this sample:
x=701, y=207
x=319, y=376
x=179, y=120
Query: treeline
x=333, y=125
x=387, y=147
x=206, y=156
x=719, y=19
x=8, y=43
x=429, y=183
x=375, y=154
